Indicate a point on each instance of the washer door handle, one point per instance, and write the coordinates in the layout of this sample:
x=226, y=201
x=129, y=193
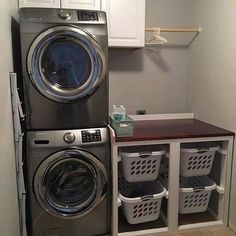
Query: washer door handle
x=76, y=153
x=72, y=154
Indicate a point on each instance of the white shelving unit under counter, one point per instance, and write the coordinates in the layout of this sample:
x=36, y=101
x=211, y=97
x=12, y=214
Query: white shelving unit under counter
x=173, y=135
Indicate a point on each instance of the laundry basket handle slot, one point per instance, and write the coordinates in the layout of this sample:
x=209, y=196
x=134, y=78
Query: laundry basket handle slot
x=203, y=151
x=199, y=188
x=146, y=197
x=145, y=154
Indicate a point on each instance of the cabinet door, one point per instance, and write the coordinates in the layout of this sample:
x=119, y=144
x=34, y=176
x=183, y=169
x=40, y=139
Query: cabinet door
x=81, y=4
x=39, y=3
x=126, y=22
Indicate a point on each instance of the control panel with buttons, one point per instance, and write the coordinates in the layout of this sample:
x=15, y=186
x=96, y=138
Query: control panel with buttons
x=91, y=136
x=87, y=16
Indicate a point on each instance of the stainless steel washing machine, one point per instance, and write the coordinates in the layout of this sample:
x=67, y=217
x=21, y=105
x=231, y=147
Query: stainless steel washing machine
x=65, y=75
x=69, y=182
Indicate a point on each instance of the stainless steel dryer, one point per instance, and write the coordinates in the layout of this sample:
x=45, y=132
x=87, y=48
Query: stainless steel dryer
x=65, y=76
x=69, y=183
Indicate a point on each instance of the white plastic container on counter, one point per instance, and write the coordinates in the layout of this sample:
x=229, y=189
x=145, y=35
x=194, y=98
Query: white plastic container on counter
x=118, y=112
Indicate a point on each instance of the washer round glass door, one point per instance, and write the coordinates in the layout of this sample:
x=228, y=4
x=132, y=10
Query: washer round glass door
x=65, y=63
x=70, y=183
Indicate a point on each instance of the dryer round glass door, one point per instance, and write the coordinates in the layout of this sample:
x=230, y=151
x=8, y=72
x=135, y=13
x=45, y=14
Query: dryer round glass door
x=70, y=183
x=66, y=64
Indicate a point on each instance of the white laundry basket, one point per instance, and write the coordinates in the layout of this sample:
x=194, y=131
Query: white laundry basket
x=197, y=158
x=194, y=194
x=141, y=163
x=141, y=202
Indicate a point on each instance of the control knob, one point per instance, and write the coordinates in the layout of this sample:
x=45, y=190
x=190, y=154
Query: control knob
x=69, y=137
x=65, y=14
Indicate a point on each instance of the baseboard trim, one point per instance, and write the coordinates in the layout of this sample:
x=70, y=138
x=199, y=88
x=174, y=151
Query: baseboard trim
x=170, y=116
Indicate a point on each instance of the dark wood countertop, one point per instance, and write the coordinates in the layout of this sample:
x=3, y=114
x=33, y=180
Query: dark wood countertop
x=173, y=129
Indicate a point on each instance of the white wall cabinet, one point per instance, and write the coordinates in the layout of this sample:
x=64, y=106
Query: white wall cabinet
x=81, y=4
x=76, y=4
x=126, y=18
x=39, y=3
x=126, y=22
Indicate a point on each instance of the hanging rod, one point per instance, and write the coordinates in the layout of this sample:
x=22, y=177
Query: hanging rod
x=195, y=30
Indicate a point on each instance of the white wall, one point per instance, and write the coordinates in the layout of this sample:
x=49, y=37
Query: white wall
x=9, y=222
x=212, y=70
x=152, y=78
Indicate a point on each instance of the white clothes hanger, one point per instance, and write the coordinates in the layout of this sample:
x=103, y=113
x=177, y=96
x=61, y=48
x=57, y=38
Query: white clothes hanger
x=156, y=39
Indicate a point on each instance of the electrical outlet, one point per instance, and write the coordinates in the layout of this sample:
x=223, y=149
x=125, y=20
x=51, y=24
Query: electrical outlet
x=141, y=112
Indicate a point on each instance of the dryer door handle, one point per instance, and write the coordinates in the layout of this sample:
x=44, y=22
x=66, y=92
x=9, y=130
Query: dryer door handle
x=72, y=154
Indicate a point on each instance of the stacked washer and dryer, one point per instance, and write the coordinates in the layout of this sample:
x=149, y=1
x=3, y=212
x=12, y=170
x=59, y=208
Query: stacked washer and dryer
x=65, y=78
